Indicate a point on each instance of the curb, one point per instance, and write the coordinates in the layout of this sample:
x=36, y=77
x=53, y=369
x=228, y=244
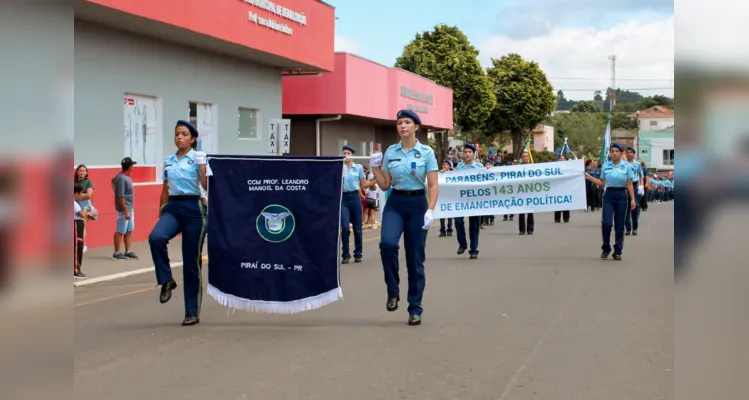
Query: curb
x=125, y=274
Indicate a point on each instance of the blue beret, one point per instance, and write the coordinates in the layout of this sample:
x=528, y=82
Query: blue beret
x=616, y=145
x=193, y=130
x=349, y=148
x=409, y=114
x=448, y=162
x=509, y=163
x=469, y=146
x=631, y=148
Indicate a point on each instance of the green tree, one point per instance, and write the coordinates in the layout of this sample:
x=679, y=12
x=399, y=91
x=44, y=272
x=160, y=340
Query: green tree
x=445, y=56
x=597, y=96
x=584, y=131
x=586, y=106
x=524, y=97
x=623, y=121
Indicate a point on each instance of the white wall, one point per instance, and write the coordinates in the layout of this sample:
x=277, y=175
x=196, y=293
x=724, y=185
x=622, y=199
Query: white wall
x=661, y=123
x=656, y=152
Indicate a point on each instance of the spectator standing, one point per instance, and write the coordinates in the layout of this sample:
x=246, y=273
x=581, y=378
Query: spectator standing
x=123, y=203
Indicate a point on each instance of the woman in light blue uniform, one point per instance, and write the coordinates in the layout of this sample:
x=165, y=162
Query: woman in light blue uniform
x=404, y=167
x=351, y=210
x=474, y=223
x=616, y=179
x=182, y=211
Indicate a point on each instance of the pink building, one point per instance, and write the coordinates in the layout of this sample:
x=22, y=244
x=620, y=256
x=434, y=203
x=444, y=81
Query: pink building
x=356, y=105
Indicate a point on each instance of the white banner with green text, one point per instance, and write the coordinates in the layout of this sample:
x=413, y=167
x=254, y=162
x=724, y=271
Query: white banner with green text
x=513, y=189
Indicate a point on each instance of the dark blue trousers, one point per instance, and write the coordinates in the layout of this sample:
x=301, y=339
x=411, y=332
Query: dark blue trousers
x=351, y=212
x=614, y=209
x=404, y=215
x=632, y=220
x=449, y=225
x=474, y=224
x=186, y=215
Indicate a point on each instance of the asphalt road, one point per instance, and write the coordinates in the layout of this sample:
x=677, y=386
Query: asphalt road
x=535, y=317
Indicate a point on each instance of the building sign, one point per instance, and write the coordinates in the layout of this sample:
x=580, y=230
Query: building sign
x=414, y=95
x=279, y=10
x=420, y=97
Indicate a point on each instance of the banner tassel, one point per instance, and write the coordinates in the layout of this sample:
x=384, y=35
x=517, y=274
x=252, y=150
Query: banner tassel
x=275, y=307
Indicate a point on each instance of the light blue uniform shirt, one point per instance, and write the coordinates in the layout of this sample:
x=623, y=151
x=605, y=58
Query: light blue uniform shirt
x=182, y=175
x=463, y=165
x=352, y=177
x=636, y=169
x=409, y=170
x=616, y=175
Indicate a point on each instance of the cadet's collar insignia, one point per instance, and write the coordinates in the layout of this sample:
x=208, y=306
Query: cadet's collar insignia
x=191, y=161
x=417, y=155
x=622, y=167
x=353, y=168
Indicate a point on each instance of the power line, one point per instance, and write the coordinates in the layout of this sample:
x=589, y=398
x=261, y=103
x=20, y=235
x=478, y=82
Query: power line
x=631, y=90
x=618, y=79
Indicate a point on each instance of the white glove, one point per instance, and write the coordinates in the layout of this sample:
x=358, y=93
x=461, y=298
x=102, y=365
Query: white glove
x=200, y=157
x=428, y=219
x=641, y=190
x=375, y=160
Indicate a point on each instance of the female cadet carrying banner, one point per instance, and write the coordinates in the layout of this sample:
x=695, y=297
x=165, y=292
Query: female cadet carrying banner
x=182, y=211
x=404, y=167
x=474, y=223
x=351, y=209
x=616, y=179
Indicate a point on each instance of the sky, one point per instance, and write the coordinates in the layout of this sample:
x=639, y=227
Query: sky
x=571, y=39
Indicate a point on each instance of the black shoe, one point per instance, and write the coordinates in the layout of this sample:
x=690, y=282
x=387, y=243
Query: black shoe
x=474, y=256
x=617, y=257
x=482, y=226
x=604, y=255
x=522, y=233
x=357, y=259
x=491, y=222
x=449, y=233
x=392, y=303
x=627, y=233
x=567, y=221
x=505, y=219
x=634, y=233
x=414, y=319
x=166, y=291
x=443, y=234
x=190, y=321
x=79, y=275
x=461, y=250
x=530, y=232
x=345, y=260
x=511, y=219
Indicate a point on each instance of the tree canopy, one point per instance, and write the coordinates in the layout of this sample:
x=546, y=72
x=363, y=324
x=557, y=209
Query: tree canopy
x=586, y=106
x=584, y=131
x=446, y=56
x=524, y=97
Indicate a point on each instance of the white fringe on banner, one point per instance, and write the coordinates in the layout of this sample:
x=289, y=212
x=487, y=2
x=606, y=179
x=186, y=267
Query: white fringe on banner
x=275, y=307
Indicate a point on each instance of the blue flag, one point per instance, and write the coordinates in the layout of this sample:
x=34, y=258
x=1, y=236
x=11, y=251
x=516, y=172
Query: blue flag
x=273, y=232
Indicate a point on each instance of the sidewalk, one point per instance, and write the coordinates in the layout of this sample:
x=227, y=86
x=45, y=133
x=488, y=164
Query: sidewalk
x=98, y=264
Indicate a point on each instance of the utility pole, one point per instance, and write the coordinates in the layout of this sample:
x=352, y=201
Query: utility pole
x=612, y=93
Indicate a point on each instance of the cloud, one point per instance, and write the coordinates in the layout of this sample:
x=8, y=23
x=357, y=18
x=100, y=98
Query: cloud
x=343, y=44
x=529, y=18
x=644, y=50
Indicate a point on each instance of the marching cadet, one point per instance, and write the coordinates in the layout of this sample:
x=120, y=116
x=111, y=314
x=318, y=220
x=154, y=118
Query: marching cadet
x=474, y=223
x=351, y=209
x=182, y=211
x=559, y=216
x=525, y=158
x=447, y=165
x=487, y=219
x=616, y=179
x=409, y=168
x=632, y=220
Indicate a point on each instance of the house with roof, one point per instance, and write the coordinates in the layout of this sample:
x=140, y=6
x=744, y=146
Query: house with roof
x=656, y=148
x=654, y=118
x=543, y=139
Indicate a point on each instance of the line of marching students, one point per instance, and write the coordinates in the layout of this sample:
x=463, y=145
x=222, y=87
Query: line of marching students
x=621, y=187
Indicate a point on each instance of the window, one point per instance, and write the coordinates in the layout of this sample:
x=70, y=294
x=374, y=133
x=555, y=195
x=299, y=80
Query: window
x=653, y=123
x=668, y=157
x=644, y=151
x=248, y=124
